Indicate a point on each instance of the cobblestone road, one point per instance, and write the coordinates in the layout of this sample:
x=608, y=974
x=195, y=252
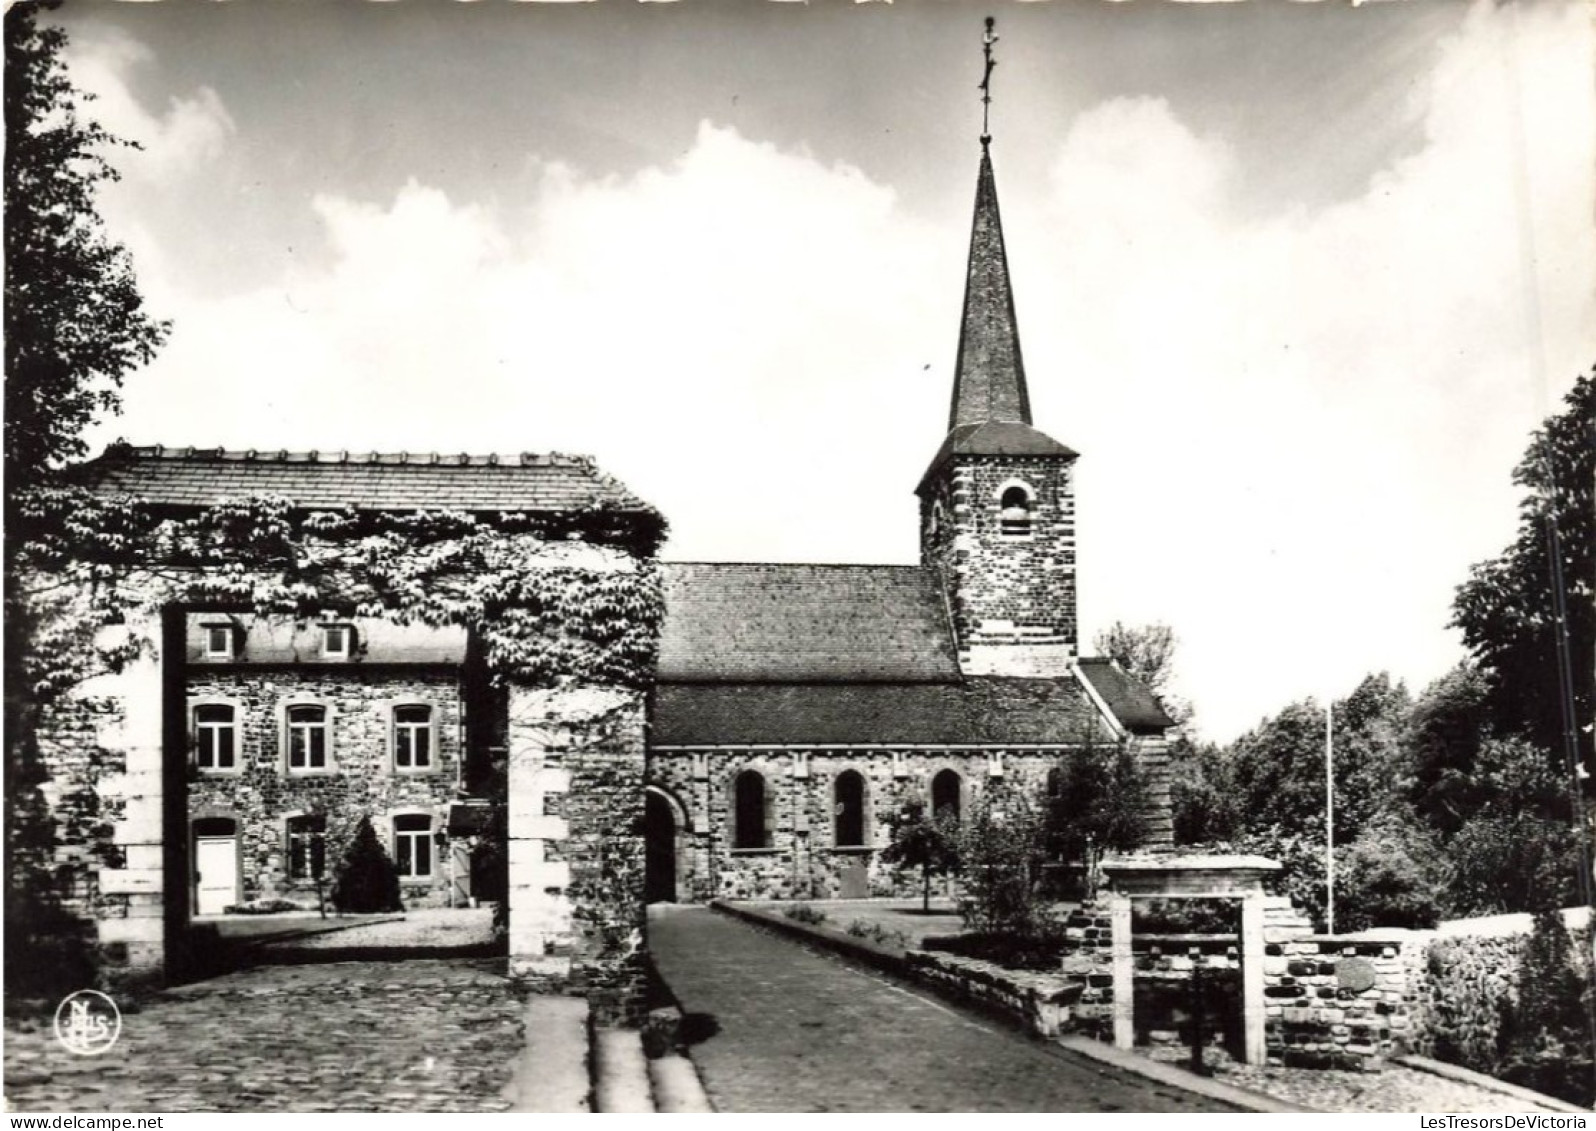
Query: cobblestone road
x=797, y=1030
x=421, y=1035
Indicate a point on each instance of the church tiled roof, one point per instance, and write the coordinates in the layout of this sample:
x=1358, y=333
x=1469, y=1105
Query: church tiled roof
x=980, y=711
x=1130, y=700
x=197, y=477
x=804, y=623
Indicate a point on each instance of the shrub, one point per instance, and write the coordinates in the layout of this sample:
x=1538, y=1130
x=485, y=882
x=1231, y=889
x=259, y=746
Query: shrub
x=367, y=881
x=1041, y=950
x=878, y=933
x=1545, y=1041
x=803, y=913
x=1003, y=852
x=261, y=907
x=1387, y=878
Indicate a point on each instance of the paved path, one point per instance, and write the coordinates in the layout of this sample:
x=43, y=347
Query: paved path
x=421, y=1035
x=797, y=1030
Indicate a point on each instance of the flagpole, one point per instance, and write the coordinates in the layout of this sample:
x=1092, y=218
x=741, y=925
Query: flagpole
x=1329, y=822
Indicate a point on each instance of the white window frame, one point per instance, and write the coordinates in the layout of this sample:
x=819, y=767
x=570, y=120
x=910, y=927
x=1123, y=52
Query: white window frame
x=196, y=729
x=429, y=729
x=329, y=765
x=343, y=632
x=289, y=838
x=428, y=836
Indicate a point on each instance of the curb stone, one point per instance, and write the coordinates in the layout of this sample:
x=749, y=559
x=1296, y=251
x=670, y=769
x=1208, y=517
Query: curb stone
x=551, y=1071
x=620, y=1073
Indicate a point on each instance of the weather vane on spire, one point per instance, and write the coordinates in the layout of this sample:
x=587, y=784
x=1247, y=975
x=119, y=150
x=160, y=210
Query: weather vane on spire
x=987, y=41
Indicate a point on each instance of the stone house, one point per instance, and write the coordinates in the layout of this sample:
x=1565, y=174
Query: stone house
x=799, y=707
x=277, y=736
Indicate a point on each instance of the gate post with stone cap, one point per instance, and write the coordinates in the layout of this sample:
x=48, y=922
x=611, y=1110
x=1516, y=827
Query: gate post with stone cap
x=1190, y=877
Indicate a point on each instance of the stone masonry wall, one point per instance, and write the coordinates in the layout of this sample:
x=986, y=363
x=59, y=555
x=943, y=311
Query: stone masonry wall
x=576, y=788
x=363, y=781
x=1012, y=598
x=102, y=747
x=802, y=860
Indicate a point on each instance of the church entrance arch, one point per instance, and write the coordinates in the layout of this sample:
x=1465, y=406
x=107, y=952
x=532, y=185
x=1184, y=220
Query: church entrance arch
x=666, y=846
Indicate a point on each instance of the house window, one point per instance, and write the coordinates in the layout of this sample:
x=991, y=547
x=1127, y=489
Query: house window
x=751, y=829
x=215, y=737
x=412, y=846
x=307, y=847
x=218, y=641
x=850, y=809
x=1014, y=518
x=946, y=789
x=412, y=737
x=307, y=737
x=337, y=641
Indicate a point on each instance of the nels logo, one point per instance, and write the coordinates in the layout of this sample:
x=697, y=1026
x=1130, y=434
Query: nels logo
x=87, y=1023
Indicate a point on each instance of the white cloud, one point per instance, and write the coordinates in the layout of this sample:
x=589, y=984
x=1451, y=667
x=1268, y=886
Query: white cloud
x=1310, y=420
x=188, y=132
x=1296, y=431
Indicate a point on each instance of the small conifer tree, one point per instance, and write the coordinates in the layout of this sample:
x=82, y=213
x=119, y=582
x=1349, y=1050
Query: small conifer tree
x=367, y=881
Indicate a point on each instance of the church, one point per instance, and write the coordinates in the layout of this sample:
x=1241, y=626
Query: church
x=799, y=707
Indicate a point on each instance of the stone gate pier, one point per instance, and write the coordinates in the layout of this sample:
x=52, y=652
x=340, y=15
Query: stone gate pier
x=1191, y=877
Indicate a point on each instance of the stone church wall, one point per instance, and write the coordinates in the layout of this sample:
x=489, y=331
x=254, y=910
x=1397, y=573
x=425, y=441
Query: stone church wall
x=801, y=859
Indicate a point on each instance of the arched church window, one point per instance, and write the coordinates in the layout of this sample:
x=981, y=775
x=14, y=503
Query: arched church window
x=850, y=809
x=946, y=791
x=1014, y=515
x=750, y=813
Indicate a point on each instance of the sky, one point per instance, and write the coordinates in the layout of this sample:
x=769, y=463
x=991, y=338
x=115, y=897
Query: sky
x=1297, y=279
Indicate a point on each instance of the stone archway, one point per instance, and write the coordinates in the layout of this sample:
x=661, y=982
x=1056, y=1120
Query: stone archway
x=667, y=848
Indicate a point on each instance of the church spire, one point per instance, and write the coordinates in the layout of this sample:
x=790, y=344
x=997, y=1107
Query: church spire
x=989, y=377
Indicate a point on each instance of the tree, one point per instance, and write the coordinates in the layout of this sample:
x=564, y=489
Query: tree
x=1445, y=730
x=367, y=880
x=1518, y=850
x=1146, y=652
x=920, y=840
x=1201, y=793
x=1277, y=770
x=1002, y=849
x=1097, y=803
x=1388, y=877
x=1507, y=609
x=74, y=325
x=75, y=322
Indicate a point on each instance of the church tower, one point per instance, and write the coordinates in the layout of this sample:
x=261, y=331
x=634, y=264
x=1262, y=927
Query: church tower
x=997, y=505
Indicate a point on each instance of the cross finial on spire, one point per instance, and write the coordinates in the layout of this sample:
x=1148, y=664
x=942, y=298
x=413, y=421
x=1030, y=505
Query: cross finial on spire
x=987, y=40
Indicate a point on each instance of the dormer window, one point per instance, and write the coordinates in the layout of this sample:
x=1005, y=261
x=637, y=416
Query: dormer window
x=337, y=641
x=1014, y=515
x=219, y=641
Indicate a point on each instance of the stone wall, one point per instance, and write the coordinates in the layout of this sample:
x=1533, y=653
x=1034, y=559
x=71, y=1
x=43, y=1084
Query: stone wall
x=103, y=747
x=363, y=781
x=1337, y=1001
x=576, y=789
x=802, y=859
x=1012, y=598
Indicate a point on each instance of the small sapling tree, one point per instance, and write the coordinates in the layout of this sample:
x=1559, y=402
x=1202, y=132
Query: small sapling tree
x=924, y=841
